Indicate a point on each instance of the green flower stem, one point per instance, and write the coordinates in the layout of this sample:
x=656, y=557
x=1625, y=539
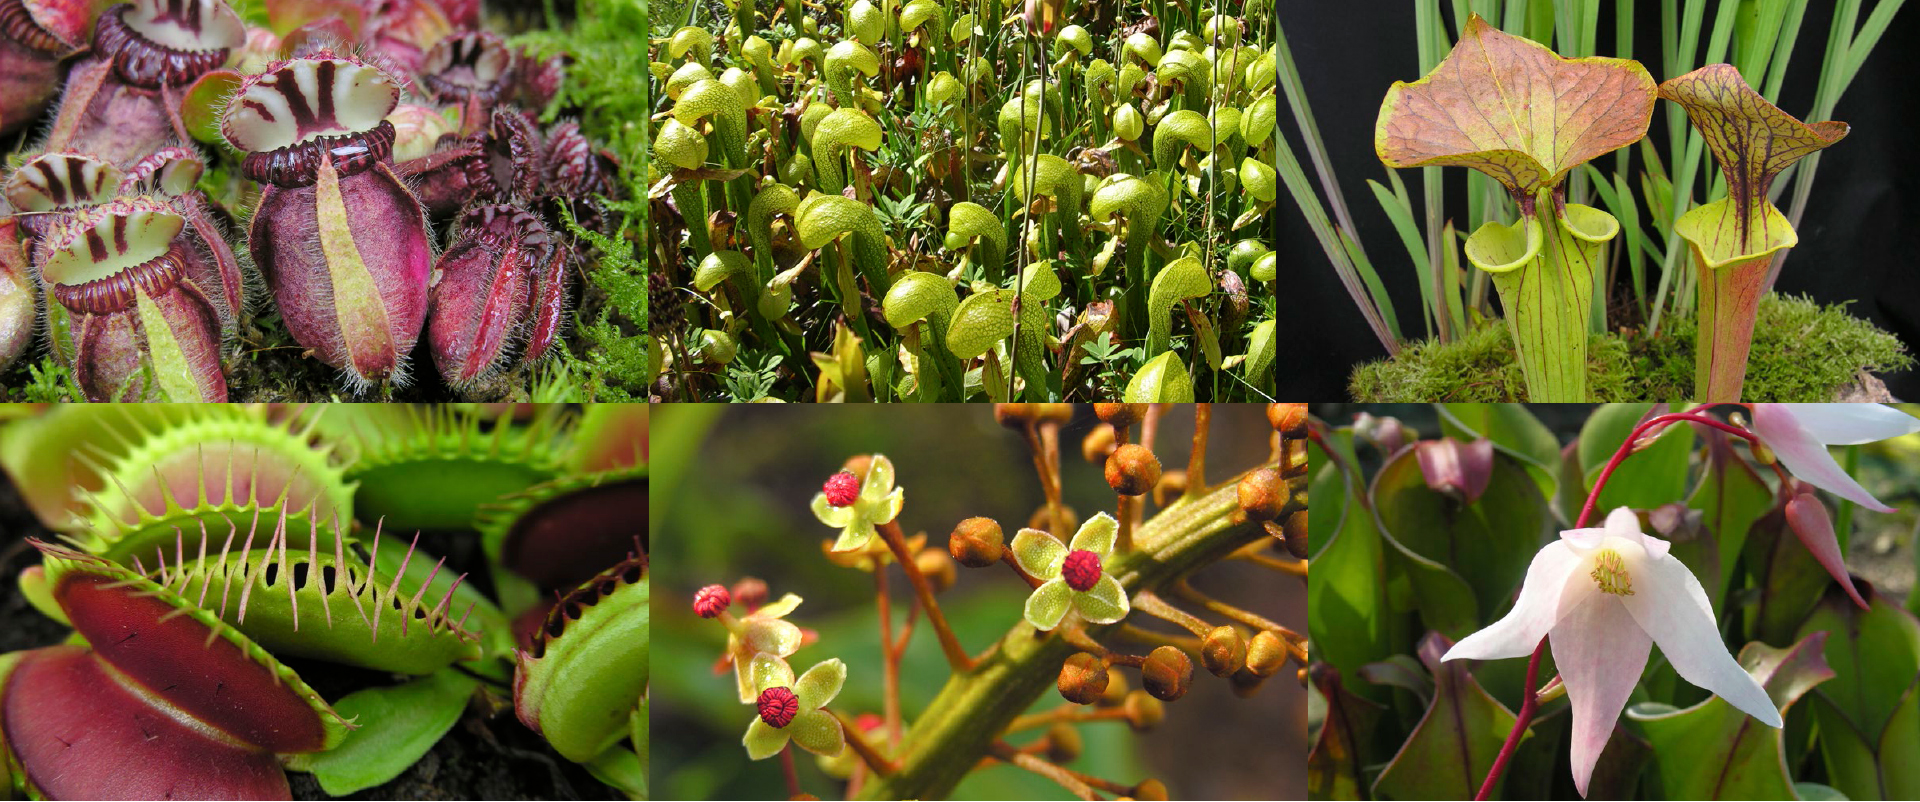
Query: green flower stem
x=897, y=542
x=975, y=707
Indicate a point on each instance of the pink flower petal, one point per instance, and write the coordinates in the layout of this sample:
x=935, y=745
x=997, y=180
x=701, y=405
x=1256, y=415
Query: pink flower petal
x=1805, y=456
x=1533, y=614
x=1853, y=424
x=1810, y=523
x=1672, y=607
x=1601, y=653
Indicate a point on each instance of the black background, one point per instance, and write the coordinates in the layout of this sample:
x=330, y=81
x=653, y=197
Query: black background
x=1858, y=240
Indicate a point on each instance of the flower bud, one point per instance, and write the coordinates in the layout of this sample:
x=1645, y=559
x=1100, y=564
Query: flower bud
x=1120, y=416
x=937, y=567
x=1143, y=712
x=1063, y=743
x=1149, y=790
x=1099, y=444
x=857, y=465
x=502, y=286
x=1288, y=419
x=1083, y=678
x=1387, y=433
x=976, y=542
x=1296, y=534
x=1013, y=416
x=1262, y=495
x=1117, y=689
x=1461, y=470
x=1042, y=520
x=1167, y=673
x=341, y=240
x=1171, y=485
x=1132, y=470
x=1294, y=460
x=1266, y=654
x=750, y=592
x=1223, y=651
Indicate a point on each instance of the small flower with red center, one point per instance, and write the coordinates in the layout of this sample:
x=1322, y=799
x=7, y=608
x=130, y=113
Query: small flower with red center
x=790, y=710
x=711, y=600
x=1074, y=576
x=761, y=632
x=878, y=502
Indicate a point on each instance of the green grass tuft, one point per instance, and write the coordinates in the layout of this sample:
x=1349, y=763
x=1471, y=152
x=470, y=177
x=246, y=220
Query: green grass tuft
x=1802, y=351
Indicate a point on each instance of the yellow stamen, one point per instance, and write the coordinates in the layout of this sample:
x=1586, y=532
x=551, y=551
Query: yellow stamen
x=1610, y=573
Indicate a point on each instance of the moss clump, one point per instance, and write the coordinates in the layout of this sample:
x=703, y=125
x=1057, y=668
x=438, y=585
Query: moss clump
x=1802, y=351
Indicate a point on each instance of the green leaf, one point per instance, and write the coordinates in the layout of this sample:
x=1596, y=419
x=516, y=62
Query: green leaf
x=1713, y=750
x=1875, y=656
x=1453, y=747
x=1184, y=278
x=1655, y=475
x=397, y=725
x=1348, y=620
x=1336, y=764
x=1486, y=545
x=1162, y=379
x=1731, y=497
x=1815, y=792
x=1789, y=581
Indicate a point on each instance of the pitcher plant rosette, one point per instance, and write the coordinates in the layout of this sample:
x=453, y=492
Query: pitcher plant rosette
x=1527, y=118
x=1718, y=534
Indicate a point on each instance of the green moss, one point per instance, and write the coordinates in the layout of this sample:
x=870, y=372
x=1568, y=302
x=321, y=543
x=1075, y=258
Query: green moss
x=1802, y=351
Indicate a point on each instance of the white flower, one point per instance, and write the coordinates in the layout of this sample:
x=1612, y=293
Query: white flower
x=1602, y=597
x=1799, y=435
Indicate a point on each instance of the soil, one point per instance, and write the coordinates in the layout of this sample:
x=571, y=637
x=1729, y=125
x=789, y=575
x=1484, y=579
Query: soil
x=482, y=757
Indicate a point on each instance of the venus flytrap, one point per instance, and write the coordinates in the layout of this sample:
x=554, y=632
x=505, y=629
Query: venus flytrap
x=1526, y=117
x=1736, y=239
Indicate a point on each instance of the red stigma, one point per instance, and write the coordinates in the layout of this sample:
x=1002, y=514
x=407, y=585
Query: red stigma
x=778, y=706
x=711, y=601
x=842, y=488
x=1081, y=570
